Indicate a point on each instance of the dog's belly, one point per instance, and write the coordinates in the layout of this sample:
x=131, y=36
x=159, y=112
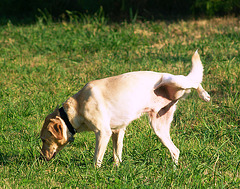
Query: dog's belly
x=120, y=124
x=123, y=115
x=123, y=119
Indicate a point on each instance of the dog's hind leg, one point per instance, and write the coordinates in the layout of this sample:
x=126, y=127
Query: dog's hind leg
x=203, y=94
x=117, y=138
x=160, y=122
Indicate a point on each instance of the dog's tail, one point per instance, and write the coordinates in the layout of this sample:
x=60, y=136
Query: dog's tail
x=196, y=73
x=192, y=80
x=178, y=85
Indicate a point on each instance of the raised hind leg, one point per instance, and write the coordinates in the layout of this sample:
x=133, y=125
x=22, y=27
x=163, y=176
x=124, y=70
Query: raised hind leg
x=203, y=94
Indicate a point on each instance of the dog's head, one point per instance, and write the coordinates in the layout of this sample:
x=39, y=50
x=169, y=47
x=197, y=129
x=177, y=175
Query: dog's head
x=54, y=135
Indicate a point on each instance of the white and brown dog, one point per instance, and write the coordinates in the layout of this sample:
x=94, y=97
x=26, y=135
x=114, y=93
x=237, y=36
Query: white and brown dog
x=107, y=106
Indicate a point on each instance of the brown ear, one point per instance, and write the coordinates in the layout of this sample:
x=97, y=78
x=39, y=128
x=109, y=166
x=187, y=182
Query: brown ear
x=56, y=129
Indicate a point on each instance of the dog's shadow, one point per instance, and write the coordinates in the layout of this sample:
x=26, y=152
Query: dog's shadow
x=8, y=159
x=4, y=159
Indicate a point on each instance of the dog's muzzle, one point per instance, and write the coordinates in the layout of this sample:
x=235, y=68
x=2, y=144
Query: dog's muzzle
x=42, y=157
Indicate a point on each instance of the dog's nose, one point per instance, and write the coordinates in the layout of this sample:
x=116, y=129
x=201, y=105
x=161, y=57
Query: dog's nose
x=42, y=157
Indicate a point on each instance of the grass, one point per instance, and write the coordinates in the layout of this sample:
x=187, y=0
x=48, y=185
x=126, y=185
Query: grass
x=42, y=64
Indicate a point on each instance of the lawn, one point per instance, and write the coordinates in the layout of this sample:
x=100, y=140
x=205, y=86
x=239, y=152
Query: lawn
x=44, y=63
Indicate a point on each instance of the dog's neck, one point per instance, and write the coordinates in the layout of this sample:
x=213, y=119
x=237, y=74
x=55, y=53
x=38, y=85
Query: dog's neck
x=64, y=117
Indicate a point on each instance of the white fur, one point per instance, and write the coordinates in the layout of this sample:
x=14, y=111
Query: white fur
x=108, y=105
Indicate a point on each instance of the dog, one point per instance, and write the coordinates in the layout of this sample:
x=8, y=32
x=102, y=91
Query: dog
x=108, y=105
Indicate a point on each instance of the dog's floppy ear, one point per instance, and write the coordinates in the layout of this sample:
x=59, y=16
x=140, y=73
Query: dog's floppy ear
x=56, y=128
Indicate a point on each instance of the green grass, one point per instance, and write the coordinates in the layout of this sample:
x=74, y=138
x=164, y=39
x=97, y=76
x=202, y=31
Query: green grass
x=43, y=64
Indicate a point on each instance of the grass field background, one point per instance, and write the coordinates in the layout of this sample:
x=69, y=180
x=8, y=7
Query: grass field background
x=42, y=64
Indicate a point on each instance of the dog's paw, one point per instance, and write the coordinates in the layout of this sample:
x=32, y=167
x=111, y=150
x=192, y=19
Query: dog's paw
x=205, y=96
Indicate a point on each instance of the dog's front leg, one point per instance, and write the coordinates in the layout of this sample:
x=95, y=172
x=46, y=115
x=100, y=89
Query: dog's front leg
x=102, y=138
x=117, y=138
